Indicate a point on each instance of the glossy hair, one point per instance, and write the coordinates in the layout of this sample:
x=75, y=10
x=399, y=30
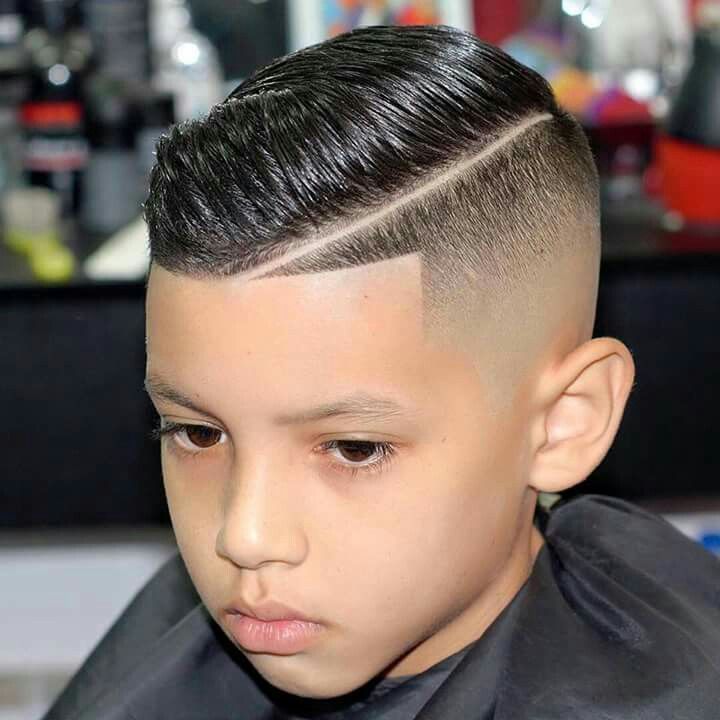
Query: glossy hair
x=378, y=143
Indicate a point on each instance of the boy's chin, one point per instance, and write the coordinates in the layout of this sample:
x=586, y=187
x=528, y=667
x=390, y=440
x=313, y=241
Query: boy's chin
x=306, y=680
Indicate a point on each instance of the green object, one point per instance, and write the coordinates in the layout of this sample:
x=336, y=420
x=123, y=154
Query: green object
x=25, y=242
x=53, y=263
x=50, y=260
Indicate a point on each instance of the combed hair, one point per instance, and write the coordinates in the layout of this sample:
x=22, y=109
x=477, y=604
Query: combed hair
x=374, y=144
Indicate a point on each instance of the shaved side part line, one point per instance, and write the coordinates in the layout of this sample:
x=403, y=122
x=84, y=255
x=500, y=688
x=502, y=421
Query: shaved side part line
x=268, y=268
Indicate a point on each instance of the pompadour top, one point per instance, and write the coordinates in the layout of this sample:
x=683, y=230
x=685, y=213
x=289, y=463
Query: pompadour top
x=378, y=143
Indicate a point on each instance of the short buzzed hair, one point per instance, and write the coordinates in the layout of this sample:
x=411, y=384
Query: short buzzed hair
x=378, y=143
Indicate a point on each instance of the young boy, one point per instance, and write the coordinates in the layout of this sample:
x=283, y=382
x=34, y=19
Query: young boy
x=369, y=340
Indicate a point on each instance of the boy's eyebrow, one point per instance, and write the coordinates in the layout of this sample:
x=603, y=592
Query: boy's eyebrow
x=157, y=387
x=358, y=406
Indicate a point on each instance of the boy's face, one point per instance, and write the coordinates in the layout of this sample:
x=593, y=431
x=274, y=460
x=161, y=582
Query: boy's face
x=401, y=561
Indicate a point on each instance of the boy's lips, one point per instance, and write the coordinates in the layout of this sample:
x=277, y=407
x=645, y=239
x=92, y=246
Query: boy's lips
x=269, y=611
x=271, y=627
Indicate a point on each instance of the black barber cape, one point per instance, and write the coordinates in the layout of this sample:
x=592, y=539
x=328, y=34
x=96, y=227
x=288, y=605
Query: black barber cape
x=619, y=620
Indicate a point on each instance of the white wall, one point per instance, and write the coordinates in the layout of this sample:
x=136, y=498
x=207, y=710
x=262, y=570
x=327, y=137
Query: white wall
x=58, y=596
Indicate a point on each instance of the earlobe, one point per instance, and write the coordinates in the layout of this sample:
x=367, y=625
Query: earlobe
x=586, y=397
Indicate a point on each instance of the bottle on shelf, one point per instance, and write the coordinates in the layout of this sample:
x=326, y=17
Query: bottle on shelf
x=185, y=63
x=52, y=116
x=111, y=186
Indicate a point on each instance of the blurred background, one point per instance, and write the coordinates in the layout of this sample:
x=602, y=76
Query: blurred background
x=87, y=87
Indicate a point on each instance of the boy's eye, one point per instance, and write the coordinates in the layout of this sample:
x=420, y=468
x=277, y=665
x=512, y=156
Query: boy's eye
x=359, y=455
x=353, y=455
x=190, y=438
x=356, y=451
x=202, y=436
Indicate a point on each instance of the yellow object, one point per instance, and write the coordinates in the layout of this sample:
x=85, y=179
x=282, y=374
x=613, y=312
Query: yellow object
x=24, y=242
x=32, y=228
x=50, y=260
x=53, y=263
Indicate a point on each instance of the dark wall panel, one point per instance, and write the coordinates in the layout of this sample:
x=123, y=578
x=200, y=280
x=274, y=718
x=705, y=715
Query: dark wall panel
x=74, y=419
x=667, y=311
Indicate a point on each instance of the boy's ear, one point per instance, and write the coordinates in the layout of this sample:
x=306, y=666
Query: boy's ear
x=582, y=401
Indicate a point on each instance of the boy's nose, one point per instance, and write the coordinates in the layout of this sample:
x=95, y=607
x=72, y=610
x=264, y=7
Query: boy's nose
x=261, y=522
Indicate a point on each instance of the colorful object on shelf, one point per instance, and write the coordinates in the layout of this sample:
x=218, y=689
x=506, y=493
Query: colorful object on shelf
x=494, y=21
x=689, y=179
x=541, y=50
x=613, y=106
x=575, y=90
x=343, y=15
x=593, y=100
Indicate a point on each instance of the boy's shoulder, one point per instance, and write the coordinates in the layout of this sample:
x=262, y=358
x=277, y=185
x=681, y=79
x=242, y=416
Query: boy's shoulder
x=621, y=619
x=632, y=547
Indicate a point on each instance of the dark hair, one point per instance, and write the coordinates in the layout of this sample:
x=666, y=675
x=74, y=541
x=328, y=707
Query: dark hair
x=377, y=143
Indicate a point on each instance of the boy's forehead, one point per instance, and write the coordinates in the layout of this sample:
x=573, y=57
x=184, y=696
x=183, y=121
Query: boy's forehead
x=394, y=281
x=286, y=343
x=333, y=319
